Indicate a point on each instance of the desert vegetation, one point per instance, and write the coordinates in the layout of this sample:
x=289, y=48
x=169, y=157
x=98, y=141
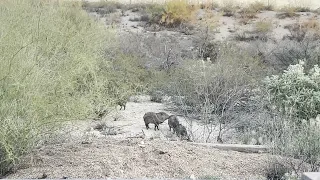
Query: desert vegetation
x=63, y=62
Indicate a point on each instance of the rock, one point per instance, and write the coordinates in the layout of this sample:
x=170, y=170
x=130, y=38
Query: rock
x=253, y=141
x=193, y=177
x=317, y=11
x=142, y=145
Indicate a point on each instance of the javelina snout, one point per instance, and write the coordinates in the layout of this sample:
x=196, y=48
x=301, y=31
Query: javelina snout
x=173, y=122
x=181, y=131
x=155, y=118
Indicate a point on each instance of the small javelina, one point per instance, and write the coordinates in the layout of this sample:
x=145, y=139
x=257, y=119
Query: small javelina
x=155, y=118
x=173, y=122
x=122, y=103
x=181, y=131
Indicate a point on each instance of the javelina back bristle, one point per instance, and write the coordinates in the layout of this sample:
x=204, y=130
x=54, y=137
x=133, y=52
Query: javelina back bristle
x=181, y=131
x=154, y=118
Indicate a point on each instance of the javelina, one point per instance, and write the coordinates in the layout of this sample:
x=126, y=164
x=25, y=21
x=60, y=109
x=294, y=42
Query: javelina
x=155, y=118
x=173, y=122
x=122, y=104
x=181, y=131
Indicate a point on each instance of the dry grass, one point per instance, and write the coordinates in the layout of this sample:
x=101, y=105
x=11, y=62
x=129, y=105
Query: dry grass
x=103, y=7
x=259, y=6
x=129, y=159
x=209, y=5
x=263, y=26
x=251, y=11
x=289, y=12
x=312, y=24
x=176, y=12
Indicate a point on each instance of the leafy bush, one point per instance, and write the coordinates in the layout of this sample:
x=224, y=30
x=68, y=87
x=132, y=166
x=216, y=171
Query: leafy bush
x=175, y=13
x=51, y=70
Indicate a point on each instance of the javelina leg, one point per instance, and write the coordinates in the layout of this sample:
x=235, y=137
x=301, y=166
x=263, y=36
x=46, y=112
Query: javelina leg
x=124, y=107
x=120, y=107
x=155, y=127
x=147, y=126
x=169, y=128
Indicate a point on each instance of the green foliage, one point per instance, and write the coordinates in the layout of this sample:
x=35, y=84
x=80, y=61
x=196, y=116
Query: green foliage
x=155, y=11
x=263, y=26
x=176, y=12
x=51, y=70
x=295, y=92
x=295, y=95
x=127, y=77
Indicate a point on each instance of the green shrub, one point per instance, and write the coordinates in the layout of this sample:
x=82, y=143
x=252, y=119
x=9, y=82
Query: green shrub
x=295, y=96
x=51, y=70
x=263, y=26
x=155, y=12
x=127, y=77
x=175, y=13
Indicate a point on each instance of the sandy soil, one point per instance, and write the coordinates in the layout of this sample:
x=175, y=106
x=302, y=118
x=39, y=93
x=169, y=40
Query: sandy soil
x=128, y=158
x=122, y=150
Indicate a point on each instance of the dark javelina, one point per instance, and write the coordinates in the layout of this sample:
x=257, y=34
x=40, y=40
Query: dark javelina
x=155, y=118
x=182, y=131
x=173, y=122
x=122, y=103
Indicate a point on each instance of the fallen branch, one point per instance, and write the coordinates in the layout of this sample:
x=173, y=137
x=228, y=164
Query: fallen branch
x=236, y=147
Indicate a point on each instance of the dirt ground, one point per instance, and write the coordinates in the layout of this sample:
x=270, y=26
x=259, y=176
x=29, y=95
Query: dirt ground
x=122, y=150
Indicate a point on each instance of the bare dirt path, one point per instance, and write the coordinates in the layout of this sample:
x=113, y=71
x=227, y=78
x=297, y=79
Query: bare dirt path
x=88, y=153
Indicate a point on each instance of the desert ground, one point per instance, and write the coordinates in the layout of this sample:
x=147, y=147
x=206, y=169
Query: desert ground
x=126, y=149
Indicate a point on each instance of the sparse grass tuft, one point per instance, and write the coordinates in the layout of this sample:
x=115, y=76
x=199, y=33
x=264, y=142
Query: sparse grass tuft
x=289, y=12
x=263, y=26
x=259, y=6
x=209, y=5
x=229, y=9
